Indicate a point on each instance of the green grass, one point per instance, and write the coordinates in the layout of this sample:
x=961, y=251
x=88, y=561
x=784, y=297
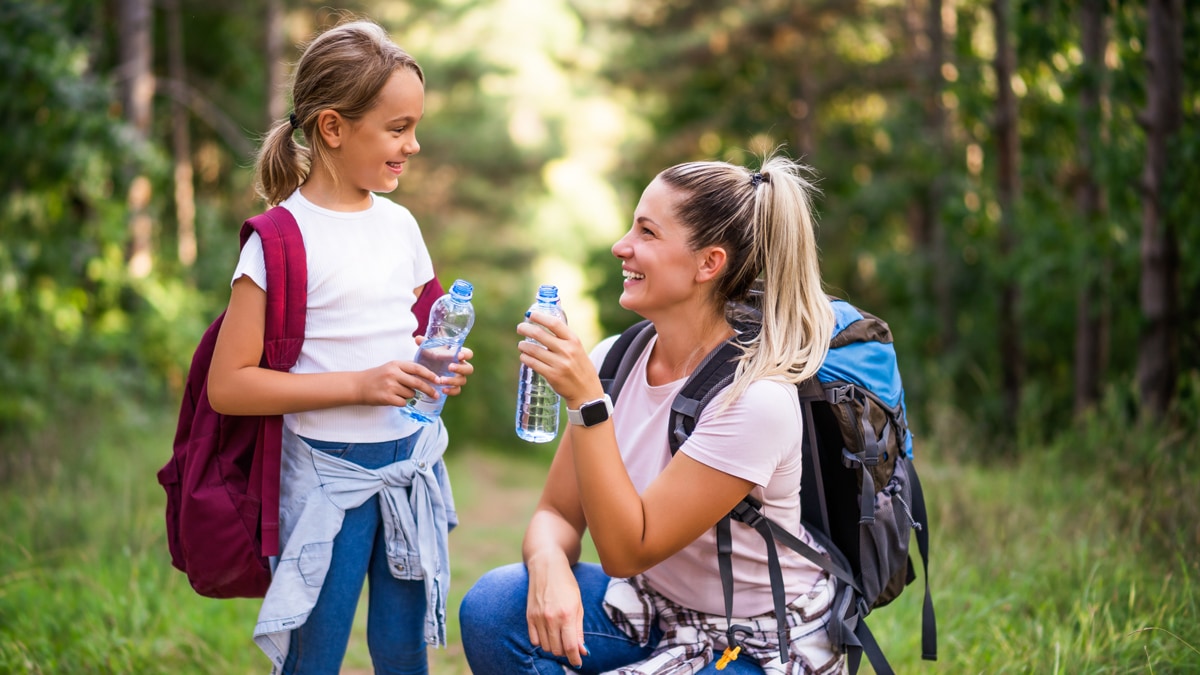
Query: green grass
x=1084, y=557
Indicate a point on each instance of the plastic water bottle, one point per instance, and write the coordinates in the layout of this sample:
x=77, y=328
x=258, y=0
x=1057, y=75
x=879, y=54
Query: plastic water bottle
x=537, y=402
x=450, y=319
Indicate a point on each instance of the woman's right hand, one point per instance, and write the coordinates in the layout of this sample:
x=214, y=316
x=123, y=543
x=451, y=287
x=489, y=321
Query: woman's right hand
x=554, y=608
x=560, y=357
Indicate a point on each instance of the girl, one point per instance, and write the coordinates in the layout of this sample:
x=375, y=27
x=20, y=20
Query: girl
x=352, y=462
x=702, y=234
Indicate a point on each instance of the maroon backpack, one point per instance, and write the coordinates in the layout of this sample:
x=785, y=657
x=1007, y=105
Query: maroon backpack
x=222, y=481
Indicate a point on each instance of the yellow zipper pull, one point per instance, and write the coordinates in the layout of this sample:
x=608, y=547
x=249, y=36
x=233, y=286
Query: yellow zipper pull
x=730, y=654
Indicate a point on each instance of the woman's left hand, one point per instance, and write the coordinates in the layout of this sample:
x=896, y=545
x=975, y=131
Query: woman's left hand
x=562, y=360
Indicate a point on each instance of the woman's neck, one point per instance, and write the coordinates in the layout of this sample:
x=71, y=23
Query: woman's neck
x=682, y=345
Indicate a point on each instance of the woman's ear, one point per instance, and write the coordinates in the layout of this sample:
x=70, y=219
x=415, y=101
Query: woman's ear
x=712, y=260
x=332, y=127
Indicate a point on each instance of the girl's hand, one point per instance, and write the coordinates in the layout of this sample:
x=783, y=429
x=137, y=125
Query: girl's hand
x=394, y=383
x=554, y=610
x=563, y=361
x=462, y=369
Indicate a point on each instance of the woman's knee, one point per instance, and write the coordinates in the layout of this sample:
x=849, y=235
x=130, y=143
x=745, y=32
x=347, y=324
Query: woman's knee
x=498, y=596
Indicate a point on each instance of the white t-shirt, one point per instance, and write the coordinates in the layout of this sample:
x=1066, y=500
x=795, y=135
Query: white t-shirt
x=362, y=269
x=759, y=439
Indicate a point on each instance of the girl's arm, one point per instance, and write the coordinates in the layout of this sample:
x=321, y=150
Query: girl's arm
x=554, y=609
x=237, y=385
x=632, y=532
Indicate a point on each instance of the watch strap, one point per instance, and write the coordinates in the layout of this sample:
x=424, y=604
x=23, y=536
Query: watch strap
x=591, y=413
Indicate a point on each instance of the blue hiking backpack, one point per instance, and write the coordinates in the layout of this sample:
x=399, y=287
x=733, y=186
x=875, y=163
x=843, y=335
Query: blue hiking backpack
x=860, y=495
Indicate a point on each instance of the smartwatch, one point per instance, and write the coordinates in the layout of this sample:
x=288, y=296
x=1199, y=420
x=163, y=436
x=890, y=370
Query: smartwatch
x=591, y=413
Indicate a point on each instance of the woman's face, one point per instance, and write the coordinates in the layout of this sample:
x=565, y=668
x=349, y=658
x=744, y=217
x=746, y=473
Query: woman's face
x=659, y=264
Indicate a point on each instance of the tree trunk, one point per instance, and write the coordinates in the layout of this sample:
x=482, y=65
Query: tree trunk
x=935, y=124
x=925, y=81
x=137, y=92
x=181, y=142
x=924, y=22
x=1009, y=190
x=1157, y=358
x=273, y=45
x=1089, y=201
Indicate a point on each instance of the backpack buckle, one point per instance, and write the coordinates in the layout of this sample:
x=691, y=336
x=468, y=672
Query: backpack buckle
x=836, y=395
x=849, y=459
x=862, y=606
x=747, y=511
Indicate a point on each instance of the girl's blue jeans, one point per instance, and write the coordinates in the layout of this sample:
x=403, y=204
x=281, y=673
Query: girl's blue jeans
x=396, y=609
x=495, y=633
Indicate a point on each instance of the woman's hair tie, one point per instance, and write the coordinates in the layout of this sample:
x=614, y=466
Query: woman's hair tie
x=295, y=122
x=756, y=179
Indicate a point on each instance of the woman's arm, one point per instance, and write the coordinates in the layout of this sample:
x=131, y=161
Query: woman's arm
x=558, y=524
x=551, y=547
x=237, y=385
x=635, y=532
x=632, y=531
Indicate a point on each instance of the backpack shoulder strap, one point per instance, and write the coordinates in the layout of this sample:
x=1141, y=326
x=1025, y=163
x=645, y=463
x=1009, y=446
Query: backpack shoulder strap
x=620, y=358
x=287, y=284
x=429, y=295
x=928, y=617
x=287, y=304
x=713, y=374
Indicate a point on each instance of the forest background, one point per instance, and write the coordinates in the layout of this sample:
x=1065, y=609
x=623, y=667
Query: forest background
x=1010, y=184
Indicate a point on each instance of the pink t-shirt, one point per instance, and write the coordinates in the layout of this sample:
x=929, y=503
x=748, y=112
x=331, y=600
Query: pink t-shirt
x=758, y=438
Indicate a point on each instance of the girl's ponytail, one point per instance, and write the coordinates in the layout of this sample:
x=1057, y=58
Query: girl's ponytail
x=282, y=164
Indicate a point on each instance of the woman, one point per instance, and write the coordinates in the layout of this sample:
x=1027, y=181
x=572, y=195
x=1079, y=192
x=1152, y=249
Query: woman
x=703, y=234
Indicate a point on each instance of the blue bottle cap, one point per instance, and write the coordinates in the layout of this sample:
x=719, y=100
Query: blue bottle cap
x=462, y=290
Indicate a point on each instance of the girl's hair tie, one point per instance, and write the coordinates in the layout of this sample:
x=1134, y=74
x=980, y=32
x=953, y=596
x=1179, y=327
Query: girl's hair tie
x=295, y=122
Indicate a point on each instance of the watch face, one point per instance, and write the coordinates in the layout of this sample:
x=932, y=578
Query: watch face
x=593, y=413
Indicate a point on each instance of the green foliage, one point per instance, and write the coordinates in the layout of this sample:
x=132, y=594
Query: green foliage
x=1075, y=559
x=850, y=90
x=85, y=581
x=66, y=313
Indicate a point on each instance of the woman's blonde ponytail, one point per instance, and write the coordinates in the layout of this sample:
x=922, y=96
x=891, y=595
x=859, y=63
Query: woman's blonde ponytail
x=766, y=223
x=796, y=316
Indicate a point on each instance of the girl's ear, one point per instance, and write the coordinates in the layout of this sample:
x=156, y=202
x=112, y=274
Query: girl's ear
x=712, y=260
x=331, y=126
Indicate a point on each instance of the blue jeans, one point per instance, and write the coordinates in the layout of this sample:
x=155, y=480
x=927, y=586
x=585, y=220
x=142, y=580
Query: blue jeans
x=495, y=633
x=396, y=609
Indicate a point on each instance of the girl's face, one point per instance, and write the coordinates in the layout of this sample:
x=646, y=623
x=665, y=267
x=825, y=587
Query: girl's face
x=659, y=265
x=376, y=147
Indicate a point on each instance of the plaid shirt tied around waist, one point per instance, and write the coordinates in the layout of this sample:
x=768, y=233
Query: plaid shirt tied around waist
x=689, y=637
